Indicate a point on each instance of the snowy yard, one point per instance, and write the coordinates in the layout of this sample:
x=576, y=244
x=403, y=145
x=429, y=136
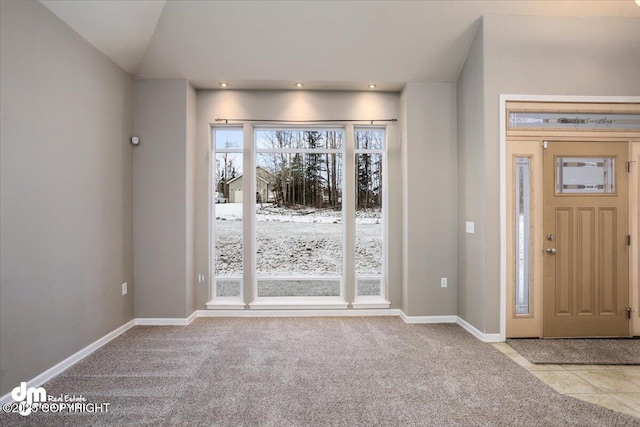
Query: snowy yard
x=297, y=242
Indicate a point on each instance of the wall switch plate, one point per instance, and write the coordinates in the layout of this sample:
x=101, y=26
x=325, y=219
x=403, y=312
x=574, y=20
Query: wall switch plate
x=470, y=227
x=124, y=288
x=443, y=282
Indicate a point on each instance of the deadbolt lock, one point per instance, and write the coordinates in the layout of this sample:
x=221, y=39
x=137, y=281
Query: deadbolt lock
x=550, y=237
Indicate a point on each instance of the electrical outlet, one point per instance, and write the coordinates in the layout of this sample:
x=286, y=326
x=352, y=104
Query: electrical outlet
x=443, y=282
x=124, y=288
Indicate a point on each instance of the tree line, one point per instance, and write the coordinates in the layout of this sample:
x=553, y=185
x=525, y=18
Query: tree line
x=310, y=178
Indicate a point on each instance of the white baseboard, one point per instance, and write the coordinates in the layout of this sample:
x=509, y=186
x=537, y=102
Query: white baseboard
x=71, y=360
x=192, y=317
x=476, y=332
x=428, y=319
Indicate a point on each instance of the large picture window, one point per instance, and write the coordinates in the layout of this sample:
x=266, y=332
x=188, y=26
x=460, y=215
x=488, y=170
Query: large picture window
x=297, y=237
x=299, y=223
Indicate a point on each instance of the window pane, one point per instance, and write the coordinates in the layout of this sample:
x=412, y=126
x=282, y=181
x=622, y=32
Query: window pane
x=369, y=229
x=228, y=138
x=298, y=222
x=576, y=175
x=369, y=139
x=227, y=224
x=299, y=139
x=306, y=288
x=228, y=287
x=369, y=287
x=523, y=234
x=573, y=121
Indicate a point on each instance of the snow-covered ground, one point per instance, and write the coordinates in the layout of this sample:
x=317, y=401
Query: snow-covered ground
x=297, y=242
x=271, y=212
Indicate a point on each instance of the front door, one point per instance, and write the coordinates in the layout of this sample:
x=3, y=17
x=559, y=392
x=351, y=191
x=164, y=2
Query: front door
x=586, y=225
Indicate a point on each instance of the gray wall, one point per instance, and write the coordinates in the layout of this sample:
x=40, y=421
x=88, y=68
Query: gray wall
x=163, y=198
x=529, y=56
x=66, y=193
x=471, y=185
x=429, y=168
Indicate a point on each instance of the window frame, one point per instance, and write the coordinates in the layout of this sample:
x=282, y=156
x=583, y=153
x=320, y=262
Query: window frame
x=249, y=280
x=227, y=302
x=257, y=301
x=367, y=299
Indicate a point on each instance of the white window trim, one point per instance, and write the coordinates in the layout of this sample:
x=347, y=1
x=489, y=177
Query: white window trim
x=282, y=303
x=226, y=303
x=298, y=302
x=375, y=301
x=249, y=275
x=370, y=301
x=216, y=302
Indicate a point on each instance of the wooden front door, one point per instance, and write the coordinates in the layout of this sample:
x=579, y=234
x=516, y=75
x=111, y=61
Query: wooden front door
x=586, y=252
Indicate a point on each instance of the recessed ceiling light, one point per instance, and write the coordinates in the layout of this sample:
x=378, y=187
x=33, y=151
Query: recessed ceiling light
x=638, y=2
x=299, y=84
x=224, y=84
x=372, y=86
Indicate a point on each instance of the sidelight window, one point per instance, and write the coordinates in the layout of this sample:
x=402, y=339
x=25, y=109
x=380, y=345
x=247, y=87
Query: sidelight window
x=523, y=234
x=227, y=215
x=369, y=247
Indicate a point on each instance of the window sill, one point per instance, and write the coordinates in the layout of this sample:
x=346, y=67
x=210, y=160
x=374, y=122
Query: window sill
x=225, y=304
x=370, y=302
x=295, y=303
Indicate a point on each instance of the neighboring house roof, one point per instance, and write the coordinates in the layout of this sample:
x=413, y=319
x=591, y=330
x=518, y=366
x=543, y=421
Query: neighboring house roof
x=260, y=178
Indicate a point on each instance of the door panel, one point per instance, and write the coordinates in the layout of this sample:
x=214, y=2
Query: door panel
x=586, y=261
x=564, y=272
x=608, y=262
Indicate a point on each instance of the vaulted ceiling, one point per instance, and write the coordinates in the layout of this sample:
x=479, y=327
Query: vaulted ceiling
x=326, y=44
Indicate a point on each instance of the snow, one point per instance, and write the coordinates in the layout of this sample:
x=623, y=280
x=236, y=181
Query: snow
x=302, y=214
x=297, y=242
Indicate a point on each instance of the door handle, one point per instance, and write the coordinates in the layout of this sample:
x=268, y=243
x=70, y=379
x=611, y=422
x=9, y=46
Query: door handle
x=551, y=251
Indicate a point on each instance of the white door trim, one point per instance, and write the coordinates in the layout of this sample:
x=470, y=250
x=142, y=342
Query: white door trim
x=504, y=98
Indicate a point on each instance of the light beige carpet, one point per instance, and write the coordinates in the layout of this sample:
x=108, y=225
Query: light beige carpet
x=311, y=372
x=579, y=351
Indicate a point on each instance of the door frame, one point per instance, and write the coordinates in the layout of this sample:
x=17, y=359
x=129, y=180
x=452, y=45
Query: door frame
x=504, y=98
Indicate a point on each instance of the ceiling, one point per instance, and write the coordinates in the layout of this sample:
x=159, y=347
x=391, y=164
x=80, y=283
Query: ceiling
x=325, y=44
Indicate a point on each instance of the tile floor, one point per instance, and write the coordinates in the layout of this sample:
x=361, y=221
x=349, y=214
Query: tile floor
x=615, y=387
